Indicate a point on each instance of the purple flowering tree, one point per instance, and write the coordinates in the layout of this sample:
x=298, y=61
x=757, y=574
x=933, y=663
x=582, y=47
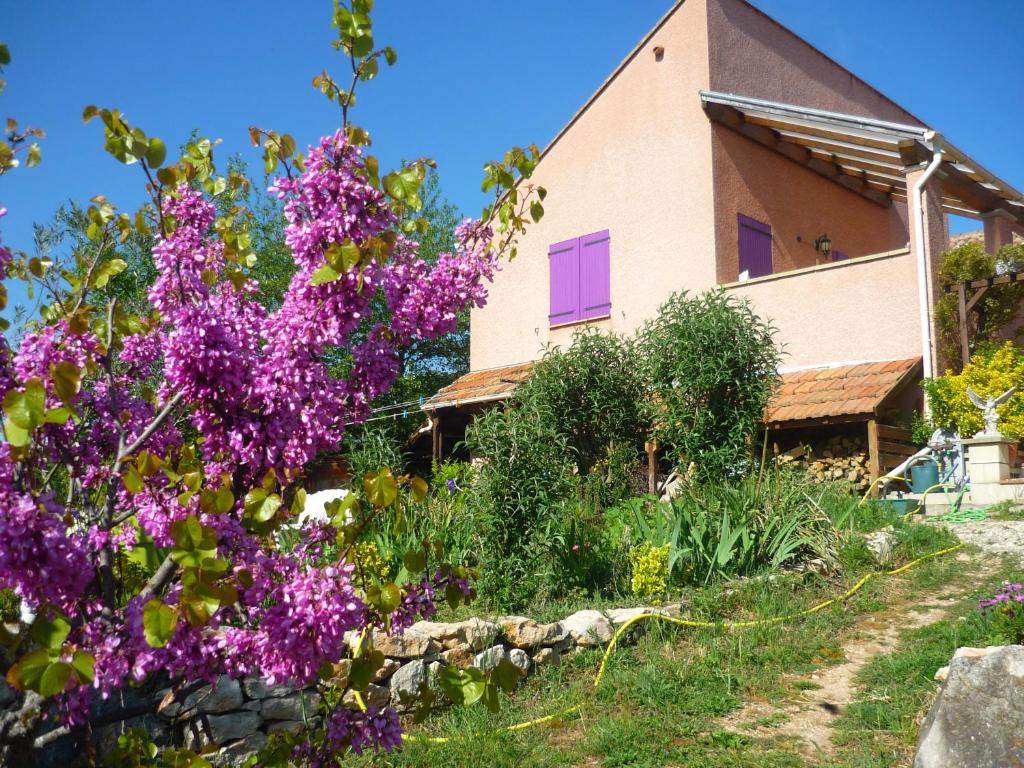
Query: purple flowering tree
x=149, y=460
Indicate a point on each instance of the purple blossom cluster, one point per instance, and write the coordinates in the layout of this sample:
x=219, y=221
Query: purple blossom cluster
x=1009, y=594
x=254, y=385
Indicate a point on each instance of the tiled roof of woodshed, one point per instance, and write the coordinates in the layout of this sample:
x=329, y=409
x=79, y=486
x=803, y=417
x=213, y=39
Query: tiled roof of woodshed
x=480, y=386
x=846, y=390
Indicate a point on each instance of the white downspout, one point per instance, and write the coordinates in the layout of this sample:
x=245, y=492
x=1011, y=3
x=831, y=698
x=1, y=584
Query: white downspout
x=922, y=265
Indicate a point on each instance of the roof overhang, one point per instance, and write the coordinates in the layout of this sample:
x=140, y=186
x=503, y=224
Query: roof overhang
x=867, y=156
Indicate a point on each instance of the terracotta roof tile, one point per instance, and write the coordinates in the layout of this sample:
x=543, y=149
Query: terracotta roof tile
x=847, y=390
x=480, y=386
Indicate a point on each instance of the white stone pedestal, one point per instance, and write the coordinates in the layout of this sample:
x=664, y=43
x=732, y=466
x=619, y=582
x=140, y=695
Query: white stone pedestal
x=988, y=465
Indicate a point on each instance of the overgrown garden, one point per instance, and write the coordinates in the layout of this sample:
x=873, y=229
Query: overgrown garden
x=191, y=360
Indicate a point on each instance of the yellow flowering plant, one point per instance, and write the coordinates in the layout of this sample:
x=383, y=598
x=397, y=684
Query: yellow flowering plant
x=993, y=370
x=650, y=571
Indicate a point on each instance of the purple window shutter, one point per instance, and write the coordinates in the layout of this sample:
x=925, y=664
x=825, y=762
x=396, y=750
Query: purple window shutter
x=755, y=246
x=595, y=275
x=839, y=256
x=564, y=268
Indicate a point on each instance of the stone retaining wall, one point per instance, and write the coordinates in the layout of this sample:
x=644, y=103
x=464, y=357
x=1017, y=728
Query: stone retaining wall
x=231, y=721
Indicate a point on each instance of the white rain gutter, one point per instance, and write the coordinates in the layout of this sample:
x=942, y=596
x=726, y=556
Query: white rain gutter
x=923, y=271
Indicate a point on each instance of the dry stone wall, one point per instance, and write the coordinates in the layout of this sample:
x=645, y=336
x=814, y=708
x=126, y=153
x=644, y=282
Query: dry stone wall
x=233, y=719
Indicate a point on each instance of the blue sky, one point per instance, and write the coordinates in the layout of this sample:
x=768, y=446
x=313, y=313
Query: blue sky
x=472, y=78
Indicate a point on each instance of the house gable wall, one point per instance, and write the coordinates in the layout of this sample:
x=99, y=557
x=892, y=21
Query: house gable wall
x=637, y=162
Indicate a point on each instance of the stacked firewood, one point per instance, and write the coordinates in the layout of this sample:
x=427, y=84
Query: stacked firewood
x=840, y=458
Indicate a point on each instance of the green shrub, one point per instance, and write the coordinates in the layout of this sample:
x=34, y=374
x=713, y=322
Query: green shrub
x=996, y=309
x=712, y=365
x=525, y=476
x=372, y=447
x=992, y=371
x=591, y=393
x=10, y=606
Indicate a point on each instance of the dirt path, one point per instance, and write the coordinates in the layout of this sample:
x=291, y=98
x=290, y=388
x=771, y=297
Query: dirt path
x=808, y=720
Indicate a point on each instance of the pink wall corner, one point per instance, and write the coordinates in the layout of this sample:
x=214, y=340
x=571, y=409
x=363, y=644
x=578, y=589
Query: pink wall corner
x=798, y=203
x=635, y=161
x=753, y=55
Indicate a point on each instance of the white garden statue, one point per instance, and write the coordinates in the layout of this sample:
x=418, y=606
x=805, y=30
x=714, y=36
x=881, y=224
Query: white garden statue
x=988, y=407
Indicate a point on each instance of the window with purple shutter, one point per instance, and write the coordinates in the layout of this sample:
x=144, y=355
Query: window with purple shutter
x=564, y=268
x=755, y=240
x=580, y=274
x=839, y=256
x=595, y=275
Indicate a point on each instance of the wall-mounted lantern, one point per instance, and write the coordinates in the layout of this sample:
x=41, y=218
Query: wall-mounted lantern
x=823, y=245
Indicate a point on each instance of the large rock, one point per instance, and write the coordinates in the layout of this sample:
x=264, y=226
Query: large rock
x=476, y=633
x=410, y=645
x=882, y=545
x=408, y=679
x=520, y=659
x=298, y=706
x=527, y=633
x=240, y=751
x=237, y=725
x=225, y=696
x=977, y=720
x=490, y=658
x=589, y=628
x=374, y=696
x=257, y=689
x=619, y=616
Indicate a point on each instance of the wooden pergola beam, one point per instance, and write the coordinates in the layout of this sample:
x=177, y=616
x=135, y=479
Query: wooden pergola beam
x=732, y=118
x=967, y=301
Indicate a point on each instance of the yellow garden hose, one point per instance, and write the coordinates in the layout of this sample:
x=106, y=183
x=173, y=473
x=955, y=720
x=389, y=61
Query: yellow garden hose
x=682, y=623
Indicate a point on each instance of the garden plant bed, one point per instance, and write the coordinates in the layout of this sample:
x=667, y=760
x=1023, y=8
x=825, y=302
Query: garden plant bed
x=678, y=696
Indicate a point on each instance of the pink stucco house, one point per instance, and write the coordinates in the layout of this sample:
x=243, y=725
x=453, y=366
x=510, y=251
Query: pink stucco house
x=727, y=151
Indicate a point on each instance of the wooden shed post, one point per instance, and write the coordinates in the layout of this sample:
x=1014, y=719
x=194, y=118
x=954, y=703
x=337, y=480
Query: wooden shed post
x=874, y=454
x=435, y=438
x=965, y=343
x=651, y=446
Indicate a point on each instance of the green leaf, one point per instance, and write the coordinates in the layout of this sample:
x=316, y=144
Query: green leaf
x=158, y=623
x=108, y=270
x=156, y=153
x=26, y=409
x=28, y=671
x=50, y=633
x=55, y=679
x=364, y=668
x=16, y=436
x=262, y=506
x=506, y=675
x=390, y=597
x=326, y=274
x=462, y=686
x=84, y=665
x=536, y=211
x=34, y=155
x=491, y=698
x=415, y=560
x=380, y=487
x=419, y=488
x=67, y=380
x=132, y=480
x=58, y=415
x=187, y=533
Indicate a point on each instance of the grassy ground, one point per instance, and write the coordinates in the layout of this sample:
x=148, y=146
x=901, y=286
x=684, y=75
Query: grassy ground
x=663, y=698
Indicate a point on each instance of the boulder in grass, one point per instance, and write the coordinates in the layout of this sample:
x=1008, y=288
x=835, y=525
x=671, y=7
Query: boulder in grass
x=977, y=720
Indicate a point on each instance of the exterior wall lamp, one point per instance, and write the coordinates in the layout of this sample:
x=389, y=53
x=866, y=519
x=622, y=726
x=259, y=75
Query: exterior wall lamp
x=824, y=245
